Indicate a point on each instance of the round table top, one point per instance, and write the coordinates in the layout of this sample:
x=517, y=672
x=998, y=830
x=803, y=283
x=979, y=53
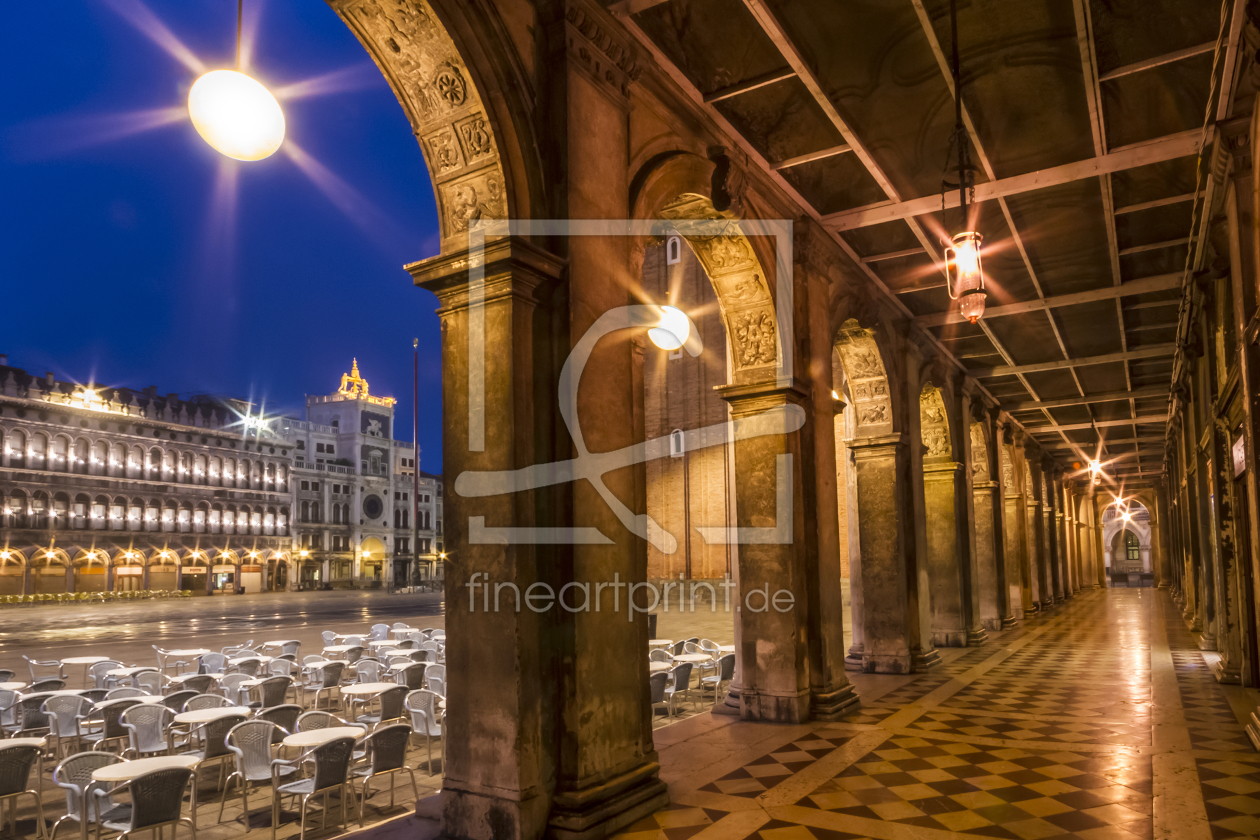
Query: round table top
x=85, y=660
x=238, y=660
x=393, y=652
x=339, y=648
x=660, y=642
x=381, y=642
x=693, y=657
x=185, y=677
x=397, y=630
x=12, y=686
x=207, y=715
x=125, y=771
x=148, y=698
x=653, y=667
x=61, y=692
x=21, y=742
x=127, y=672
x=367, y=688
x=315, y=737
x=189, y=652
x=726, y=648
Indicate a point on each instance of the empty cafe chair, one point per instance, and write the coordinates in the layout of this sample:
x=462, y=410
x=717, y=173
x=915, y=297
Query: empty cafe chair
x=146, y=725
x=29, y=719
x=656, y=686
x=231, y=687
x=678, y=685
x=386, y=754
x=271, y=692
x=63, y=712
x=388, y=707
x=47, y=684
x=660, y=655
x=150, y=681
x=99, y=675
x=250, y=744
x=331, y=763
x=176, y=699
x=325, y=678
x=157, y=800
x=329, y=637
x=102, y=725
x=426, y=718
x=378, y=632
x=435, y=679
x=285, y=717
x=74, y=775
x=44, y=669
x=201, y=683
x=213, y=740
x=16, y=760
x=6, y=675
x=410, y=674
x=725, y=671
x=124, y=691
x=367, y=671
x=213, y=663
x=206, y=701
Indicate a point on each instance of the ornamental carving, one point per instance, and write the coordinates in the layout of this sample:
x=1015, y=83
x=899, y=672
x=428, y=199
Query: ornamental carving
x=477, y=140
x=979, y=453
x=472, y=200
x=754, y=337
x=442, y=151
x=933, y=425
x=725, y=253
x=450, y=86
x=1008, y=473
x=741, y=289
x=864, y=371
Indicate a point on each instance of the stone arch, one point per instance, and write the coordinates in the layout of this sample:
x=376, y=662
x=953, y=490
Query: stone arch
x=934, y=425
x=680, y=187
x=475, y=145
x=865, y=379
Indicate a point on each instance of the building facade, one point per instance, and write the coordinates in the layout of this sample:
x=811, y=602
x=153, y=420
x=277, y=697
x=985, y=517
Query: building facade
x=114, y=489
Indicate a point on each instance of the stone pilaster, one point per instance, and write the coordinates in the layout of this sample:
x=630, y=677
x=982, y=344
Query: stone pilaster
x=883, y=514
x=774, y=662
x=499, y=735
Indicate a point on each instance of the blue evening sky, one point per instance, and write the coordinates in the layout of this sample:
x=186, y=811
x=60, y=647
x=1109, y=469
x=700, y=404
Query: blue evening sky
x=115, y=264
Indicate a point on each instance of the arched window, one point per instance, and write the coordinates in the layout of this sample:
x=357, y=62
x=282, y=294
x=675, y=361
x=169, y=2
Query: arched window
x=673, y=250
x=676, y=443
x=306, y=511
x=16, y=451
x=1132, y=549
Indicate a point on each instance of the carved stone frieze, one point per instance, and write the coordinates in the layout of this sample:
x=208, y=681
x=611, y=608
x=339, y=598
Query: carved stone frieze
x=601, y=53
x=441, y=150
x=753, y=337
x=867, y=378
x=479, y=196
x=979, y=453
x=933, y=424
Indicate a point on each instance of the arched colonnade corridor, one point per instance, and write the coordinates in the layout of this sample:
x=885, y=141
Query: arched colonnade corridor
x=833, y=433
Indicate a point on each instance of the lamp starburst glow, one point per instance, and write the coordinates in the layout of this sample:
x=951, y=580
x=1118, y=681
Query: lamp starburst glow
x=673, y=330
x=966, y=274
x=236, y=115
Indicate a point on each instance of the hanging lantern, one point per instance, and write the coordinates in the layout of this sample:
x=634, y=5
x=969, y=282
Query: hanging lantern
x=965, y=274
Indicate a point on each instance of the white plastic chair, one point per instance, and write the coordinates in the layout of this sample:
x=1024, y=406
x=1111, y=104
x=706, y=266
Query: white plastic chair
x=250, y=744
x=146, y=726
x=426, y=718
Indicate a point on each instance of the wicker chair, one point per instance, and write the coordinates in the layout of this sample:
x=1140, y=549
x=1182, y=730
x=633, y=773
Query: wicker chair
x=284, y=716
x=271, y=692
x=250, y=744
x=103, y=724
x=45, y=669
x=326, y=677
x=16, y=760
x=63, y=712
x=175, y=700
x=100, y=673
x=157, y=800
x=205, y=701
x=214, y=742
x=389, y=707
x=386, y=755
x=332, y=773
x=74, y=775
x=29, y=718
x=202, y=683
x=47, y=684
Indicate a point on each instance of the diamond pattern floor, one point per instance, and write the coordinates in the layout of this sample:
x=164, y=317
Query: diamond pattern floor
x=1044, y=732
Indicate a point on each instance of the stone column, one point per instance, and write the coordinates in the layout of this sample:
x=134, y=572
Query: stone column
x=923, y=653
x=1163, y=564
x=1016, y=515
x=501, y=736
x=1228, y=669
x=774, y=661
x=1054, y=571
x=1036, y=536
x=1204, y=545
x=883, y=512
x=989, y=585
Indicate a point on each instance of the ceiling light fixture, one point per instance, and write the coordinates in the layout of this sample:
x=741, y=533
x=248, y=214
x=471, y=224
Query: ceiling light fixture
x=234, y=112
x=964, y=271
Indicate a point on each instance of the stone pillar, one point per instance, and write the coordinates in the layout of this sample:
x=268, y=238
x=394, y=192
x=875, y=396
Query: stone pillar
x=1036, y=536
x=922, y=651
x=989, y=585
x=775, y=677
x=883, y=511
x=1014, y=476
x=501, y=736
x=1203, y=527
x=1227, y=669
x=1054, y=573
x=1163, y=564
x=831, y=694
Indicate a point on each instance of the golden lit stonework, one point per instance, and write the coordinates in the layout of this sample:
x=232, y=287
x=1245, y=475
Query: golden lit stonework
x=355, y=387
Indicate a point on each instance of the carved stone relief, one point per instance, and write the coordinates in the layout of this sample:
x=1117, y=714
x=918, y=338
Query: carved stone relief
x=442, y=151
x=933, y=424
x=476, y=139
x=472, y=199
x=979, y=453
x=867, y=378
x=753, y=336
x=1008, y=472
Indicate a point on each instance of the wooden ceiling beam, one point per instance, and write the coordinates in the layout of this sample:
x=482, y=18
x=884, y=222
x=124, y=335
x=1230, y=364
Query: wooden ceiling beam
x=1146, y=285
x=1154, y=351
x=1158, y=150
x=752, y=84
x=1109, y=396
x=810, y=157
x=1098, y=424
x=1157, y=61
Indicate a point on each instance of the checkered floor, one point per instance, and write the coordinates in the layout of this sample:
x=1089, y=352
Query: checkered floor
x=1044, y=732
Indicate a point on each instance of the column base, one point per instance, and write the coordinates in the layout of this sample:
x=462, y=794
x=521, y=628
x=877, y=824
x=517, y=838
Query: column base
x=729, y=705
x=1226, y=674
x=992, y=624
x=477, y=816
x=1207, y=642
x=925, y=661
x=887, y=663
x=853, y=659
x=949, y=638
x=1253, y=729
x=605, y=809
x=833, y=705
x=977, y=637
x=774, y=708
x=1010, y=622
x=1059, y=599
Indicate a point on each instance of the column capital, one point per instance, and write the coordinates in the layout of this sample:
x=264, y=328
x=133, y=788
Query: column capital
x=877, y=445
x=513, y=267
x=760, y=396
